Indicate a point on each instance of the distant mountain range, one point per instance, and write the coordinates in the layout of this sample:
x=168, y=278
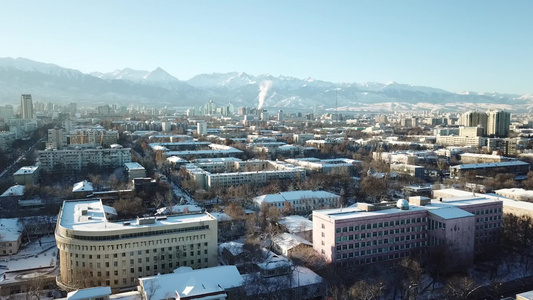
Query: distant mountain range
x=49, y=82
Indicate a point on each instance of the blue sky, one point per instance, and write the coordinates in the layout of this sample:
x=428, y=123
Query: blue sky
x=481, y=46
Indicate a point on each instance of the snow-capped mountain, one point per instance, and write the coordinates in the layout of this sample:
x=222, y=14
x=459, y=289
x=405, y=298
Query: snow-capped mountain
x=138, y=76
x=158, y=87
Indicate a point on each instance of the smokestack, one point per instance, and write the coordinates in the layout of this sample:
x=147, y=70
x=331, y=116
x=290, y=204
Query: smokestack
x=263, y=91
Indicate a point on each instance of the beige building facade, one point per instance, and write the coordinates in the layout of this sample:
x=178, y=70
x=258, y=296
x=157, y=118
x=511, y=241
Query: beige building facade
x=96, y=251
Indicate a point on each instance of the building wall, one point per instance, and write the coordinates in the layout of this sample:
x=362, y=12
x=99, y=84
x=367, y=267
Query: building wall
x=456, y=236
x=10, y=247
x=119, y=262
x=27, y=177
x=370, y=239
x=76, y=160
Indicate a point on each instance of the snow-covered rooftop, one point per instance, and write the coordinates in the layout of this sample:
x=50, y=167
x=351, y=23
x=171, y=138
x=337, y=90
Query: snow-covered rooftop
x=82, y=186
x=179, y=209
x=10, y=229
x=133, y=166
x=235, y=248
x=518, y=193
x=16, y=190
x=90, y=215
x=434, y=207
x=293, y=195
x=89, y=293
x=452, y=212
x=176, y=159
x=514, y=163
x=190, y=283
x=221, y=216
x=287, y=241
x=26, y=170
x=296, y=224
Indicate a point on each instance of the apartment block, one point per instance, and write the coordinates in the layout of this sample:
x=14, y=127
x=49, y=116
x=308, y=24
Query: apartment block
x=56, y=138
x=95, y=250
x=451, y=140
x=93, y=136
x=77, y=159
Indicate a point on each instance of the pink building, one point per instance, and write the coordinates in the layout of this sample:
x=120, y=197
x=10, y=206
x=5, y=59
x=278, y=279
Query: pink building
x=370, y=233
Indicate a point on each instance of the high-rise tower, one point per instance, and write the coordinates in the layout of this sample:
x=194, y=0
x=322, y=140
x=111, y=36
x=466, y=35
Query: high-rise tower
x=26, y=106
x=498, y=122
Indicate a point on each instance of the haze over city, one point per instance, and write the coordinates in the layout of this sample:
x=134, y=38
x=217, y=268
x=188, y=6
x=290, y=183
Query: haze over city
x=244, y=150
x=481, y=46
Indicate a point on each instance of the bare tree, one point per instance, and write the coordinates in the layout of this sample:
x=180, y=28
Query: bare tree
x=364, y=290
x=150, y=290
x=460, y=287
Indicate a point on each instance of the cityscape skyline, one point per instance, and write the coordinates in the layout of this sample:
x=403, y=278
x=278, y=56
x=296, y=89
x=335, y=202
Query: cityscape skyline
x=458, y=47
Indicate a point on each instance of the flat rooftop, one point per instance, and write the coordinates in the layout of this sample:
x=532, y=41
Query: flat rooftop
x=514, y=163
x=448, y=209
x=133, y=166
x=26, y=170
x=90, y=216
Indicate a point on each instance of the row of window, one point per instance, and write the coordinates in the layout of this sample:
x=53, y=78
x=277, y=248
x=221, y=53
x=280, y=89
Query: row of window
x=488, y=211
x=361, y=236
x=136, y=234
x=146, y=271
x=379, y=225
x=380, y=242
x=375, y=251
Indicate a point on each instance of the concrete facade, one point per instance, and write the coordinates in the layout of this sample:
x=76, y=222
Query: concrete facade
x=96, y=251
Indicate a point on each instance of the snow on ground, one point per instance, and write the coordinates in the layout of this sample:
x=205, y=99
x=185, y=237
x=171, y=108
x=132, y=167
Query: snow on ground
x=33, y=255
x=178, y=192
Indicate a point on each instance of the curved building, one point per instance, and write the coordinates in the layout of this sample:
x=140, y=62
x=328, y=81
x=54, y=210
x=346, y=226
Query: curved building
x=94, y=250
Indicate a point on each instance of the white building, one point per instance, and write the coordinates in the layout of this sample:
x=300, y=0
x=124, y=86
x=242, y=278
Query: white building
x=27, y=175
x=78, y=159
x=135, y=170
x=326, y=166
x=216, y=283
x=56, y=138
x=300, y=201
x=201, y=128
x=10, y=231
x=94, y=250
x=451, y=140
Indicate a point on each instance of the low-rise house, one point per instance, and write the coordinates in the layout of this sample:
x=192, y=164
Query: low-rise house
x=27, y=175
x=9, y=199
x=215, y=283
x=300, y=201
x=10, y=231
x=286, y=243
x=82, y=189
x=135, y=170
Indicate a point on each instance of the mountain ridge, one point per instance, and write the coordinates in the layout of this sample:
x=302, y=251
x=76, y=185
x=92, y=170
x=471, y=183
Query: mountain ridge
x=52, y=82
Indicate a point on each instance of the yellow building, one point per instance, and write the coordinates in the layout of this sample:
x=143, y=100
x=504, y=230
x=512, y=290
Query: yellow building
x=94, y=250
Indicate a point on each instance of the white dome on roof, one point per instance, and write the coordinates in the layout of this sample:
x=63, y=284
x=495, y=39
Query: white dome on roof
x=402, y=204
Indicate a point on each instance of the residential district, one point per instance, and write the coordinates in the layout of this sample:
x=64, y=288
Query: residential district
x=219, y=202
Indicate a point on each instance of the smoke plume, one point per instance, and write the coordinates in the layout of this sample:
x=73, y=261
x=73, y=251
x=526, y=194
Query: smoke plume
x=263, y=91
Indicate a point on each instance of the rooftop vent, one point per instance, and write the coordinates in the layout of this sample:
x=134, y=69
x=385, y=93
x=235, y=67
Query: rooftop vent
x=144, y=221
